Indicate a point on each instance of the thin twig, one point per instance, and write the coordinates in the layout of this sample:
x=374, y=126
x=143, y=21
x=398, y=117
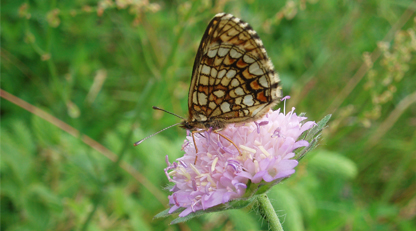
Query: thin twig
x=87, y=140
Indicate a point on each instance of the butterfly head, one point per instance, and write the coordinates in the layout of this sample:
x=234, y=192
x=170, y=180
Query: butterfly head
x=187, y=125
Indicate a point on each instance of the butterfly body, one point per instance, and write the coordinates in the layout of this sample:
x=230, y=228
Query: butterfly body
x=233, y=80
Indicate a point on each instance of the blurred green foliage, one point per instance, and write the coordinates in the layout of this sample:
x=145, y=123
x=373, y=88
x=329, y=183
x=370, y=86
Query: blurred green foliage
x=99, y=66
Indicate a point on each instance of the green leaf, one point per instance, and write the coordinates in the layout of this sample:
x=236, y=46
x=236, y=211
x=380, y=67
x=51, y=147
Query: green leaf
x=312, y=136
x=164, y=213
x=235, y=204
x=332, y=163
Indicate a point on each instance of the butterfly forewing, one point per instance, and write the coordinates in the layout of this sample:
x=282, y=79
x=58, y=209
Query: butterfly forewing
x=233, y=79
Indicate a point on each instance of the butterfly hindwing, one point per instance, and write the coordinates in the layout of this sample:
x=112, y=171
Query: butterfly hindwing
x=233, y=79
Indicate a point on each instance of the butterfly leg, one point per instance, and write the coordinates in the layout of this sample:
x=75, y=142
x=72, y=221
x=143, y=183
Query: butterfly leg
x=196, y=148
x=217, y=132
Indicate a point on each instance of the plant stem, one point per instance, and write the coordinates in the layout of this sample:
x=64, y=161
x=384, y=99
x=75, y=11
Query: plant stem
x=269, y=212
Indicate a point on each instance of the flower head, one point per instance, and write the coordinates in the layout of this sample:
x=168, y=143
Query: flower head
x=221, y=174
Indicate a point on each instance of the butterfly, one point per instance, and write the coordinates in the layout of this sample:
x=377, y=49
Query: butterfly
x=233, y=79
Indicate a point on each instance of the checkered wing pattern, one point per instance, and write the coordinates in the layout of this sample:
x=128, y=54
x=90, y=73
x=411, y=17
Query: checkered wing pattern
x=233, y=79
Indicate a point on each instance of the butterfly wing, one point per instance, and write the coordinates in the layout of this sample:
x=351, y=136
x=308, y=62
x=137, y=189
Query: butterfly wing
x=233, y=79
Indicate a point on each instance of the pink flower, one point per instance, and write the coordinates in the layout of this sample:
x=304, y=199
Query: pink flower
x=221, y=174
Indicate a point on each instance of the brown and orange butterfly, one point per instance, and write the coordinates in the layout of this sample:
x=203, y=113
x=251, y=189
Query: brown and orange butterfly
x=233, y=79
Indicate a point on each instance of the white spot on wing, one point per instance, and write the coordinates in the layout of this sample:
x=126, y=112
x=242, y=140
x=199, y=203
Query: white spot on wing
x=221, y=73
x=248, y=100
x=223, y=51
x=202, y=98
x=225, y=107
x=269, y=64
x=205, y=70
x=252, y=32
x=239, y=91
x=219, y=15
x=235, y=54
x=263, y=81
x=235, y=83
x=212, y=105
x=214, y=72
x=227, y=16
x=231, y=73
x=259, y=42
x=243, y=25
x=255, y=69
x=248, y=59
x=202, y=117
x=212, y=53
x=236, y=20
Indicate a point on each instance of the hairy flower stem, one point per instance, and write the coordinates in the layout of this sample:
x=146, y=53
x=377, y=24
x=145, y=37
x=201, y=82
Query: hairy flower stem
x=269, y=212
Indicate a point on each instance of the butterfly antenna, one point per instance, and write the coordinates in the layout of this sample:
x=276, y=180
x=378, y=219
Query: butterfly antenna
x=160, y=109
x=140, y=141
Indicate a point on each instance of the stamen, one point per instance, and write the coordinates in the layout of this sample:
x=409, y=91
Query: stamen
x=185, y=173
x=262, y=123
x=183, y=163
x=257, y=143
x=284, y=103
x=195, y=170
x=234, y=161
x=234, y=166
x=276, y=133
x=211, y=181
x=194, y=185
x=167, y=160
x=185, y=144
x=258, y=127
x=264, y=151
x=167, y=174
x=223, y=147
x=213, y=164
x=248, y=149
x=240, y=185
x=291, y=112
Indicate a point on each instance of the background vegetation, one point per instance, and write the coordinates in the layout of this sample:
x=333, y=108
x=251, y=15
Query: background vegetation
x=90, y=72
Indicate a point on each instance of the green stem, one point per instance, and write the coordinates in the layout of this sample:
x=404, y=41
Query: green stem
x=269, y=212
